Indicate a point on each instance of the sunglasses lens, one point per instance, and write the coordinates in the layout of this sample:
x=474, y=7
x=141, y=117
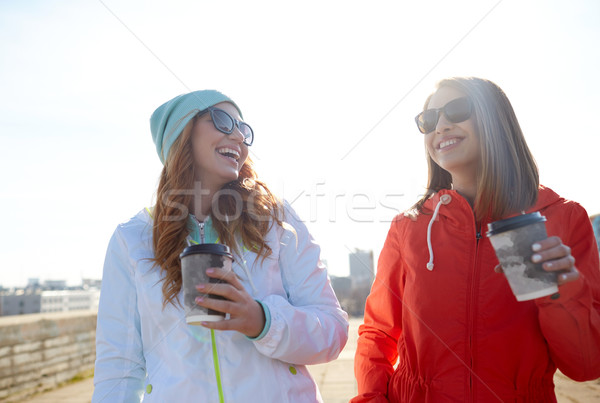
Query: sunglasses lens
x=458, y=110
x=222, y=121
x=428, y=119
x=247, y=132
x=419, y=120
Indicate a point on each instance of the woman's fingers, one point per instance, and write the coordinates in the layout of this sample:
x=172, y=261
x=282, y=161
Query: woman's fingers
x=553, y=254
x=569, y=276
x=563, y=264
x=555, y=257
x=245, y=314
x=216, y=304
x=226, y=275
x=222, y=289
x=549, y=249
x=227, y=286
x=547, y=243
x=245, y=317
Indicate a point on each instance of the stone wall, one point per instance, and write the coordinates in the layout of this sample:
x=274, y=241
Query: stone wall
x=40, y=351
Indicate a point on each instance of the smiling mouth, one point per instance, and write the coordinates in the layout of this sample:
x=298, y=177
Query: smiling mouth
x=447, y=143
x=229, y=153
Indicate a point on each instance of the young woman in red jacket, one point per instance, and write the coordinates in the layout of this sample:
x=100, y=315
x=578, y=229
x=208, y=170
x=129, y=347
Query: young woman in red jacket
x=441, y=323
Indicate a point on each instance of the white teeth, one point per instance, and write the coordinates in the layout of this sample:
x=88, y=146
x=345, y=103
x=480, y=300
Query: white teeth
x=447, y=143
x=225, y=151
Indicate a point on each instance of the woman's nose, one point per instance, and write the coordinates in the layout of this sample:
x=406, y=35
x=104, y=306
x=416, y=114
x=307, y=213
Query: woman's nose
x=443, y=124
x=237, y=135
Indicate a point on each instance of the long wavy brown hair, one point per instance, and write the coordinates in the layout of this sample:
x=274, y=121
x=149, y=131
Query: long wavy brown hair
x=245, y=208
x=508, y=179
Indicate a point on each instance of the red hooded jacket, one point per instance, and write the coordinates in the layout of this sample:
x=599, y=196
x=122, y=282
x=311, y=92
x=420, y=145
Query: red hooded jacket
x=456, y=332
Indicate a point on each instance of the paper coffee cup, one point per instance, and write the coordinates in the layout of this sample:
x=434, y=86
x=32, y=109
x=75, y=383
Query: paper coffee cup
x=195, y=260
x=512, y=239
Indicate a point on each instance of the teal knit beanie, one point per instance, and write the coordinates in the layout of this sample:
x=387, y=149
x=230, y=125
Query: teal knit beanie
x=169, y=119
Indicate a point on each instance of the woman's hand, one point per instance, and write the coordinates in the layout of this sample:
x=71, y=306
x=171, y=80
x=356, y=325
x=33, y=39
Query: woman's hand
x=555, y=257
x=245, y=314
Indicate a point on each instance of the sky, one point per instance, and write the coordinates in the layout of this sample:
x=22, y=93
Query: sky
x=330, y=88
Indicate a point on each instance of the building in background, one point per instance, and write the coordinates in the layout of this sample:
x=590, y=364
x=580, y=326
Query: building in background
x=352, y=291
x=596, y=225
x=55, y=285
x=342, y=287
x=47, y=297
x=20, y=302
x=69, y=300
x=88, y=283
x=362, y=270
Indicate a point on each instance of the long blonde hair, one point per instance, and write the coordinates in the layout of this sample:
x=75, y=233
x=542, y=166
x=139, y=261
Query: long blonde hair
x=508, y=180
x=252, y=219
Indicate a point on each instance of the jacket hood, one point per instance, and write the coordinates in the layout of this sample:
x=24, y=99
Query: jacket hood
x=546, y=197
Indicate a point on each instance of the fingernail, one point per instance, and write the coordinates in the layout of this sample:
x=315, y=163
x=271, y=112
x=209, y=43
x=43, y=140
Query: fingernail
x=536, y=258
x=536, y=247
x=548, y=265
x=210, y=271
x=199, y=299
x=563, y=277
x=200, y=287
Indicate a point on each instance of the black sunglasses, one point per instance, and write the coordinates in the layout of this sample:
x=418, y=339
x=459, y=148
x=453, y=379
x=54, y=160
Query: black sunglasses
x=456, y=111
x=225, y=123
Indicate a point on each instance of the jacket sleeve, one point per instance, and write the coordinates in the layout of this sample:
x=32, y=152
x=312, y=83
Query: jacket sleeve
x=308, y=327
x=571, y=323
x=120, y=366
x=376, y=351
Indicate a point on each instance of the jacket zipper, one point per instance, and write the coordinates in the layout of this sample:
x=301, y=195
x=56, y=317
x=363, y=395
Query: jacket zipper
x=200, y=228
x=472, y=306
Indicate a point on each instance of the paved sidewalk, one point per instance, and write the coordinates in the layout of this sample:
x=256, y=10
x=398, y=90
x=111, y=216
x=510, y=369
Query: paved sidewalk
x=78, y=392
x=335, y=379
x=336, y=382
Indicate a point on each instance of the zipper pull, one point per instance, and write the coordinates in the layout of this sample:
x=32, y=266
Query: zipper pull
x=201, y=225
x=478, y=235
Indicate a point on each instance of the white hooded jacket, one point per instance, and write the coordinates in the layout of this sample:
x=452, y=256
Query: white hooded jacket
x=146, y=352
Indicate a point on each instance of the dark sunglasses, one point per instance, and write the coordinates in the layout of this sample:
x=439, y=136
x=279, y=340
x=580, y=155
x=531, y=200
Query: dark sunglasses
x=225, y=123
x=456, y=111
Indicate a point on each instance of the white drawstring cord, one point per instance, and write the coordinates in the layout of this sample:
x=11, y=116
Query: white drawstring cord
x=445, y=199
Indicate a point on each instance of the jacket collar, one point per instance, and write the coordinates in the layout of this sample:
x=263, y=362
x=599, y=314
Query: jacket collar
x=546, y=197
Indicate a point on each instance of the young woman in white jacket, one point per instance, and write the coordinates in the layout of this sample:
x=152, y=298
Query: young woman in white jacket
x=282, y=311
